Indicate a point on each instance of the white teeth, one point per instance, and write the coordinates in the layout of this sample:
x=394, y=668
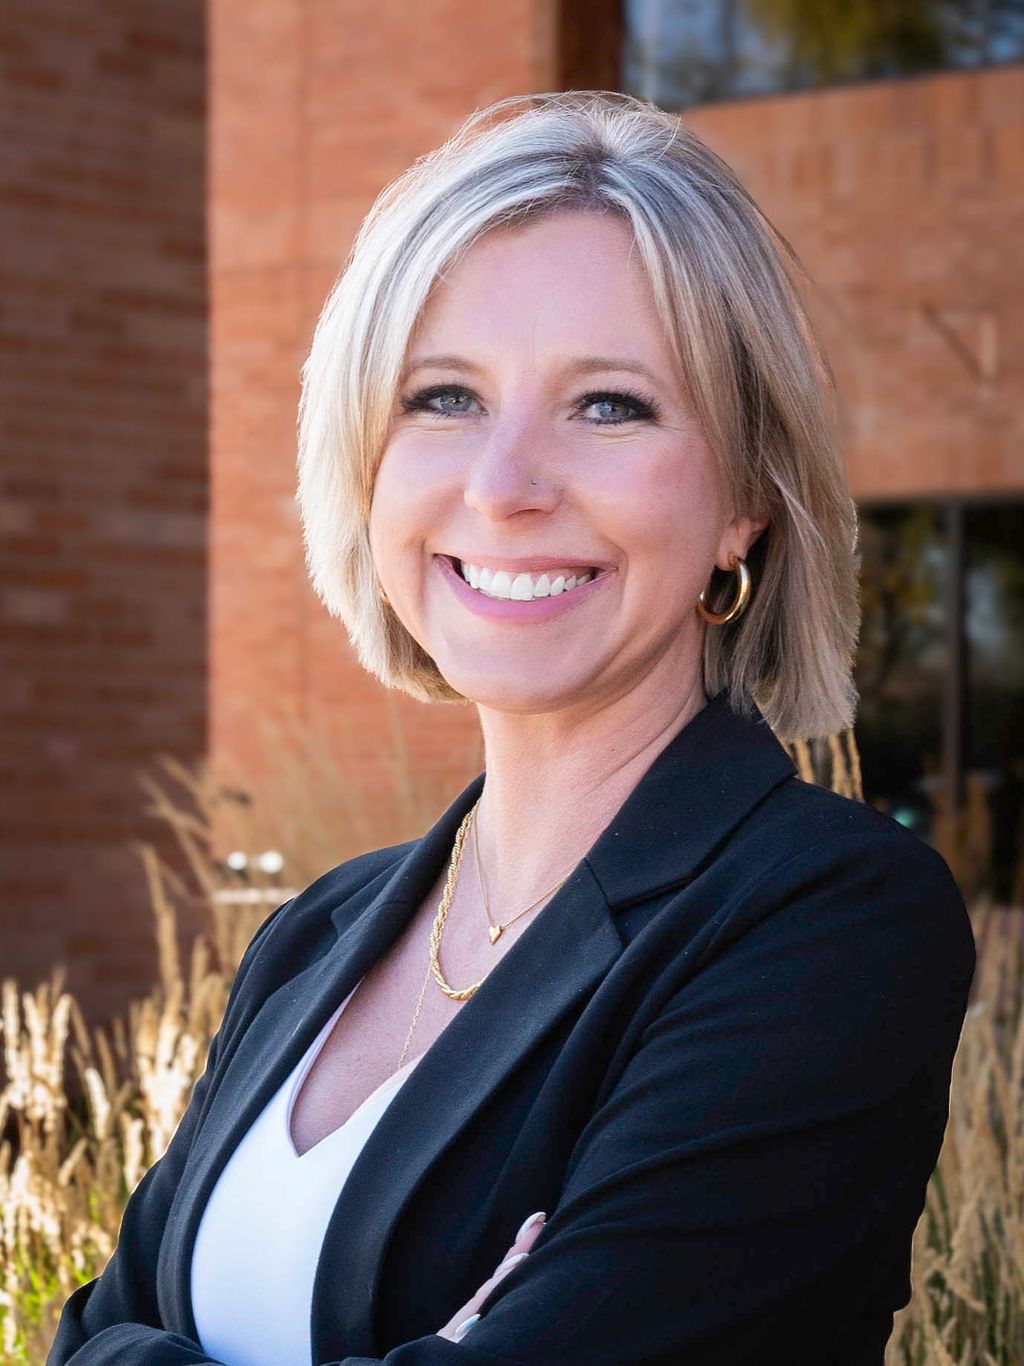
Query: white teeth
x=523, y=587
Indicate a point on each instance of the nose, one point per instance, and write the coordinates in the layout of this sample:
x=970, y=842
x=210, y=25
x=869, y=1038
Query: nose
x=509, y=474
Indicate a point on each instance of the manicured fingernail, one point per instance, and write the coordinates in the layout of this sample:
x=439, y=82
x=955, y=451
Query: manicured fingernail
x=511, y=1261
x=528, y=1223
x=465, y=1326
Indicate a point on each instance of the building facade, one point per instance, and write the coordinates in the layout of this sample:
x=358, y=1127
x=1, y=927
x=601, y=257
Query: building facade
x=187, y=182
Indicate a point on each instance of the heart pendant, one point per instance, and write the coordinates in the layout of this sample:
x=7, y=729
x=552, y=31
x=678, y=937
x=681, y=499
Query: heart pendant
x=494, y=931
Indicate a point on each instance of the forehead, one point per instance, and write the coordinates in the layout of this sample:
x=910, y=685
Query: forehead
x=571, y=278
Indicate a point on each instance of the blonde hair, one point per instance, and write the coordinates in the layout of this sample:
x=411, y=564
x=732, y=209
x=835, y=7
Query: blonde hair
x=724, y=280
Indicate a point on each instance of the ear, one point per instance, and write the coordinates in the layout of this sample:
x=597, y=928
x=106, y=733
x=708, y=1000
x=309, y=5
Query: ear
x=738, y=537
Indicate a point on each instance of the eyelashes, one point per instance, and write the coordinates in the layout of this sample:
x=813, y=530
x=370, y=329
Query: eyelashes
x=644, y=410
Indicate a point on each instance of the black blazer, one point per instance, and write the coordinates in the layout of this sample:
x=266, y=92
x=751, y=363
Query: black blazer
x=719, y=1058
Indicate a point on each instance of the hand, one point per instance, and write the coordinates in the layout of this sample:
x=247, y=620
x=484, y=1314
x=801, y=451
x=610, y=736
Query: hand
x=524, y=1240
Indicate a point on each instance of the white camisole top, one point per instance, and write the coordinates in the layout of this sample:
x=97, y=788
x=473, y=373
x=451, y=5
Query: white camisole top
x=259, y=1238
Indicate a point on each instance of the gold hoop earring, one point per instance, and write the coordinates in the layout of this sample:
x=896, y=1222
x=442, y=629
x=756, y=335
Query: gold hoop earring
x=742, y=573
x=384, y=597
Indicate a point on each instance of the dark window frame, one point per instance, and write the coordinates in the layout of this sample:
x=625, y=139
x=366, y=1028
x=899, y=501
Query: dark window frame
x=954, y=507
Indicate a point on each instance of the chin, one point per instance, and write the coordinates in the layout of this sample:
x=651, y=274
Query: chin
x=503, y=691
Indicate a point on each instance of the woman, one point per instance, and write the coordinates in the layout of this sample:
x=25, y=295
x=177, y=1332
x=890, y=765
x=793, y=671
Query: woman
x=567, y=452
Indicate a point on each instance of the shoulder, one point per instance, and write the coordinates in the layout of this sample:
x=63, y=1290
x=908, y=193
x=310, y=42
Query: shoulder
x=804, y=827
x=836, y=876
x=304, y=927
x=835, y=935
x=356, y=880
x=800, y=812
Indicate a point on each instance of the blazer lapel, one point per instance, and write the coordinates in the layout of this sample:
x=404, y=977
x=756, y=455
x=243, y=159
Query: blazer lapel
x=559, y=958
x=695, y=791
x=282, y=1029
x=705, y=781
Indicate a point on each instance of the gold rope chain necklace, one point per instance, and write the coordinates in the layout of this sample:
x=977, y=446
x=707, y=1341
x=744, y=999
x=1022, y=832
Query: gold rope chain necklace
x=437, y=929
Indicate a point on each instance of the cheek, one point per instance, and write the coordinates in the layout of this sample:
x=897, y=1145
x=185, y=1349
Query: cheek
x=665, y=506
x=388, y=523
x=397, y=499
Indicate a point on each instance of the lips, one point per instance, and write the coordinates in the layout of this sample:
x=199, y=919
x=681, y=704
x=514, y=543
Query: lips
x=513, y=611
x=527, y=565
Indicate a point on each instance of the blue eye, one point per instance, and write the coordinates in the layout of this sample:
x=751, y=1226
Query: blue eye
x=643, y=410
x=421, y=402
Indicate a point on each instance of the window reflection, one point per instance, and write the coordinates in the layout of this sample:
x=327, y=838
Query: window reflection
x=940, y=670
x=683, y=52
x=994, y=587
x=901, y=660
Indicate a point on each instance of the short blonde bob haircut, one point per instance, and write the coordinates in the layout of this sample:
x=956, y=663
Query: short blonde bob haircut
x=724, y=280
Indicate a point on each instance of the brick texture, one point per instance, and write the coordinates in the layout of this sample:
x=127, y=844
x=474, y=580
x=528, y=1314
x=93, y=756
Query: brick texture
x=905, y=201
x=181, y=185
x=314, y=108
x=103, y=479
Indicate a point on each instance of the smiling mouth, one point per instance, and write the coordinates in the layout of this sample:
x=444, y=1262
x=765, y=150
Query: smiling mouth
x=523, y=586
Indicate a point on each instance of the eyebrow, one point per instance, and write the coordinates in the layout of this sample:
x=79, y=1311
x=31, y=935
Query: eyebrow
x=582, y=365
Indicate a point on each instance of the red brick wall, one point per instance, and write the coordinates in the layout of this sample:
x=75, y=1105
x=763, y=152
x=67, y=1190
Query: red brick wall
x=314, y=108
x=123, y=635
x=905, y=200
x=103, y=477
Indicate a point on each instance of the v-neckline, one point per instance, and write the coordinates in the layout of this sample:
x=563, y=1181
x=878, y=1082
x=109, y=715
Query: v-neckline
x=305, y=1068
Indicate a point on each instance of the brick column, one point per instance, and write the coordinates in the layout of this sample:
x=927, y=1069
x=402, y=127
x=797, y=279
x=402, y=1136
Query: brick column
x=315, y=106
x=103, y=490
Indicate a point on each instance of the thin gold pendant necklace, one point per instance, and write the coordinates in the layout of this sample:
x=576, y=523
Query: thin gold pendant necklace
x=437, y=929
x=494, y=931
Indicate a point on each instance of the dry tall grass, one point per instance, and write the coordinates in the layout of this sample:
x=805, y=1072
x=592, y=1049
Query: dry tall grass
x=67, y=1167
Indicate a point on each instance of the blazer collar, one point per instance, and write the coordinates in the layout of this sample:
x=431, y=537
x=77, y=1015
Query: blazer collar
x=698, y=788
x=695, y=791
x=701, y=785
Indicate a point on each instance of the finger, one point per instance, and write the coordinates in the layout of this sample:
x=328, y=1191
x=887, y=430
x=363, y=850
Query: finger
x=529, y=1232
x=511, y=1260
x=461, y=1322
x=463, y=1328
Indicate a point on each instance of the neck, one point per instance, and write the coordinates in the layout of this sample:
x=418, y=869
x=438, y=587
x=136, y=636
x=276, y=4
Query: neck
x=553, y=783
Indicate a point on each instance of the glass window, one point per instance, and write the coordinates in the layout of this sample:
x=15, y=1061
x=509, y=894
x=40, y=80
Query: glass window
x=940, y=671
x=994, y=729
x=902, y=660
x=682, y=52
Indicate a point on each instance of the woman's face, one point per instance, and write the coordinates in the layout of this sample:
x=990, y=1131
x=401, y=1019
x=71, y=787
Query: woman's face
x=542, y=427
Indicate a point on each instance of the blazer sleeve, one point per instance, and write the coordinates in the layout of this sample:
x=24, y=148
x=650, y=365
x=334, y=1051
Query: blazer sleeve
x=114, y=1318
x=748, y=1187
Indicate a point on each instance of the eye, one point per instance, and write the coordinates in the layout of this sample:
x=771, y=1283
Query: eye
x=643, y=409
x=423, y=400
x=637, y=408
